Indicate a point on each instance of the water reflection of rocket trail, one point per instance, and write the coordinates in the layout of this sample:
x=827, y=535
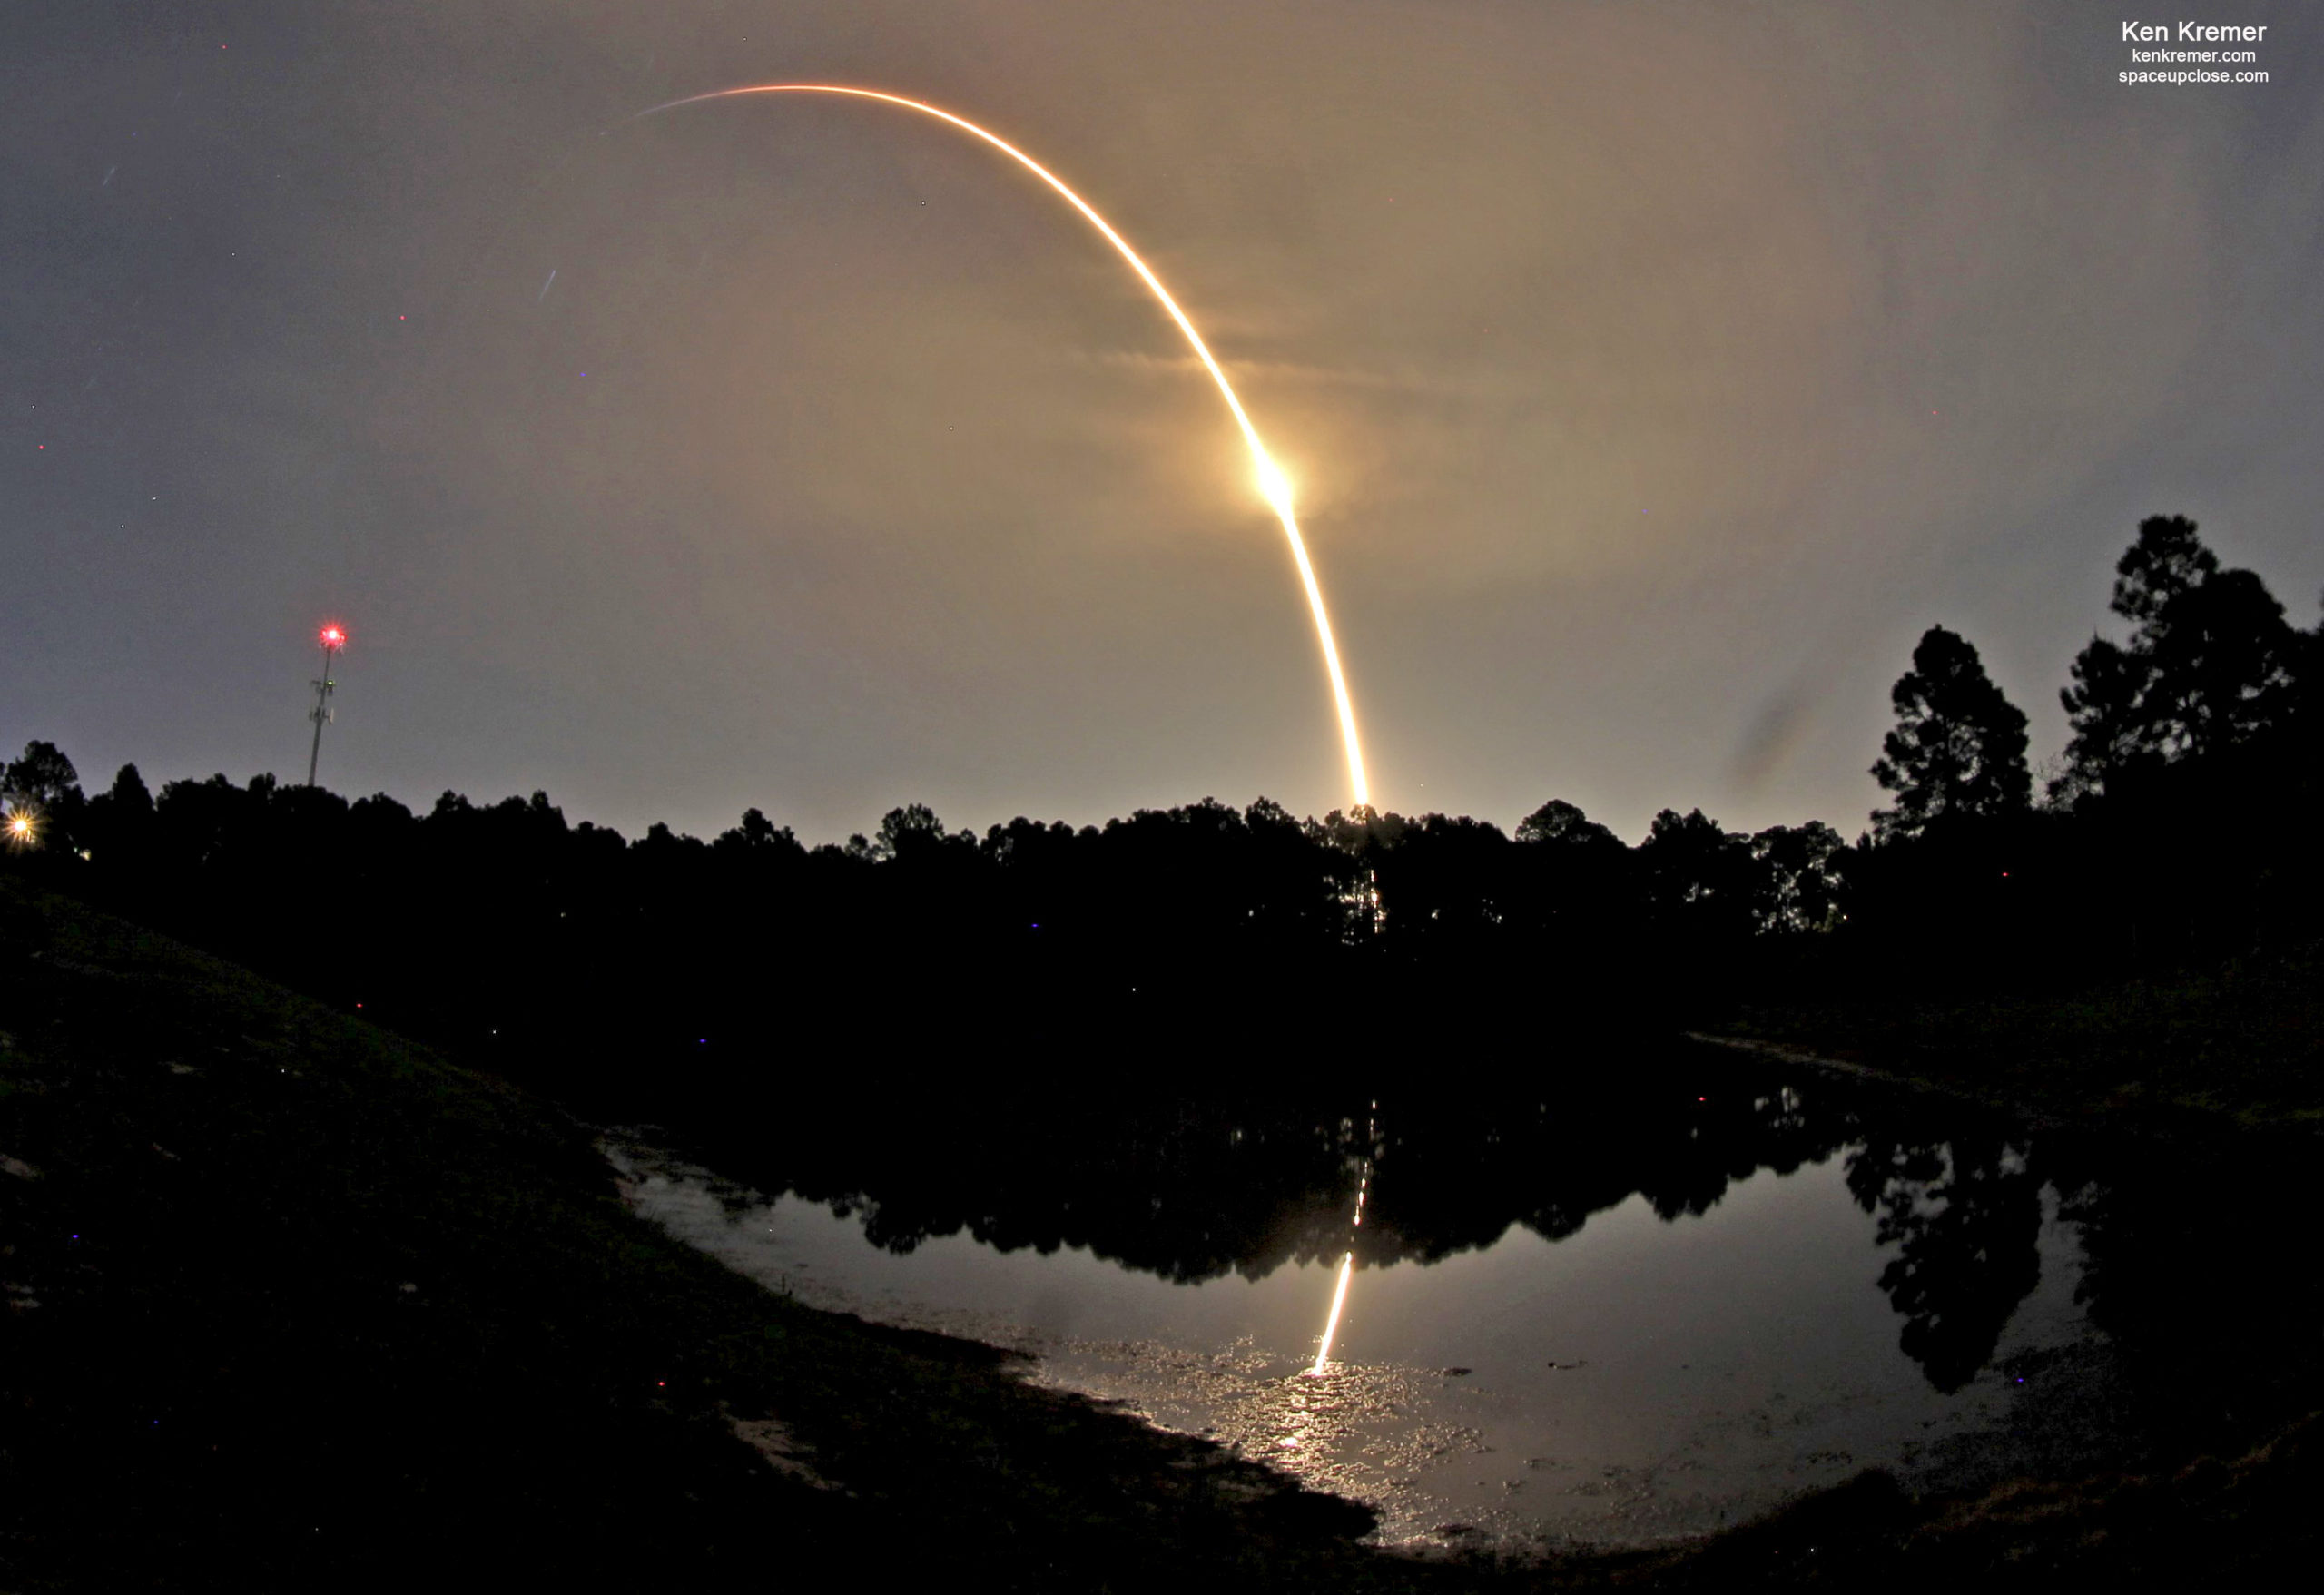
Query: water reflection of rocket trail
x=1347, y=1262
x=1273, y=483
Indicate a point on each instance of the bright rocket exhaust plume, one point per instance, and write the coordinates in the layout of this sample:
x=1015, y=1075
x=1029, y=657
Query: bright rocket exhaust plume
x=1274, y=485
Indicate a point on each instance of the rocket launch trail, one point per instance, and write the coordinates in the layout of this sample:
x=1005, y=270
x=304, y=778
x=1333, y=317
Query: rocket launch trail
x=1274, y=485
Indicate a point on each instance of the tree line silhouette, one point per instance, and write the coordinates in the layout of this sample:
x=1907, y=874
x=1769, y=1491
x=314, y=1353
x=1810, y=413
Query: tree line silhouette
x=2173, y=828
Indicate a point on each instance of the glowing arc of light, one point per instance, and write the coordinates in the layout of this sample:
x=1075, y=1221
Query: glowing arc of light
x=1273, y=483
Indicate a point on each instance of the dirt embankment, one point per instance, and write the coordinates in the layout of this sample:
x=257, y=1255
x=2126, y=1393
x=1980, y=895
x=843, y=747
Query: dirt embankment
x=2204, y=1052
x=292, y=1303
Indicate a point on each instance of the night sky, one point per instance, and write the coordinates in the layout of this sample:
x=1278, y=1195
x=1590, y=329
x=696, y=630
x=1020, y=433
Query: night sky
x=1652, y=374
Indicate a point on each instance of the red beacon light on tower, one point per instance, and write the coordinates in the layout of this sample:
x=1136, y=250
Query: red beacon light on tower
x=331, y=639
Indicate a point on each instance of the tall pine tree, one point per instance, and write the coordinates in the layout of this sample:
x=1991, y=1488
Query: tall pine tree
x=2208, y=667
x=1959, y=746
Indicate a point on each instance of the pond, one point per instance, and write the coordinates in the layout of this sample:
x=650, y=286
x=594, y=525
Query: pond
x=1614, y=1313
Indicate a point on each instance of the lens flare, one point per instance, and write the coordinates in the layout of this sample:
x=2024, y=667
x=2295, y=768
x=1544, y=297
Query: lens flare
x=1274, y=485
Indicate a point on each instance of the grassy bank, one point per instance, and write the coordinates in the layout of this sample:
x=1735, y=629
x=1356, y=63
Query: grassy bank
x=2237, y=1046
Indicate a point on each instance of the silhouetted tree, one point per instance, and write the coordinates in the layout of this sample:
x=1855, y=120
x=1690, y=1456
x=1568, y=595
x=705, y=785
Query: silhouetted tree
x=1799, y=878
x=1445, y=884
x=1959, y=750
x=756, y=836
x=1361, y=831
x=2208, y=667
x=42, y=775
x=1577, y=886
x=119, y=822
x=1561, y=824
x=1701, y=881
x=43, y=785
x=129, y=792
x=908, y=832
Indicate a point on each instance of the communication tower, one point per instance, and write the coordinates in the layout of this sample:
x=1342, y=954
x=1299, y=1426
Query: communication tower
x=333, y=639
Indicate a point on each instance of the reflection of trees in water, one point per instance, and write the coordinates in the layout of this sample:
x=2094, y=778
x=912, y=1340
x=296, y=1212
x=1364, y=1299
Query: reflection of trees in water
x=1966, y=1217
x=1964, y=1212
x=1184, y=1190
x=1455, y=1175
x=1193, y=1190
x=2183, y=1263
